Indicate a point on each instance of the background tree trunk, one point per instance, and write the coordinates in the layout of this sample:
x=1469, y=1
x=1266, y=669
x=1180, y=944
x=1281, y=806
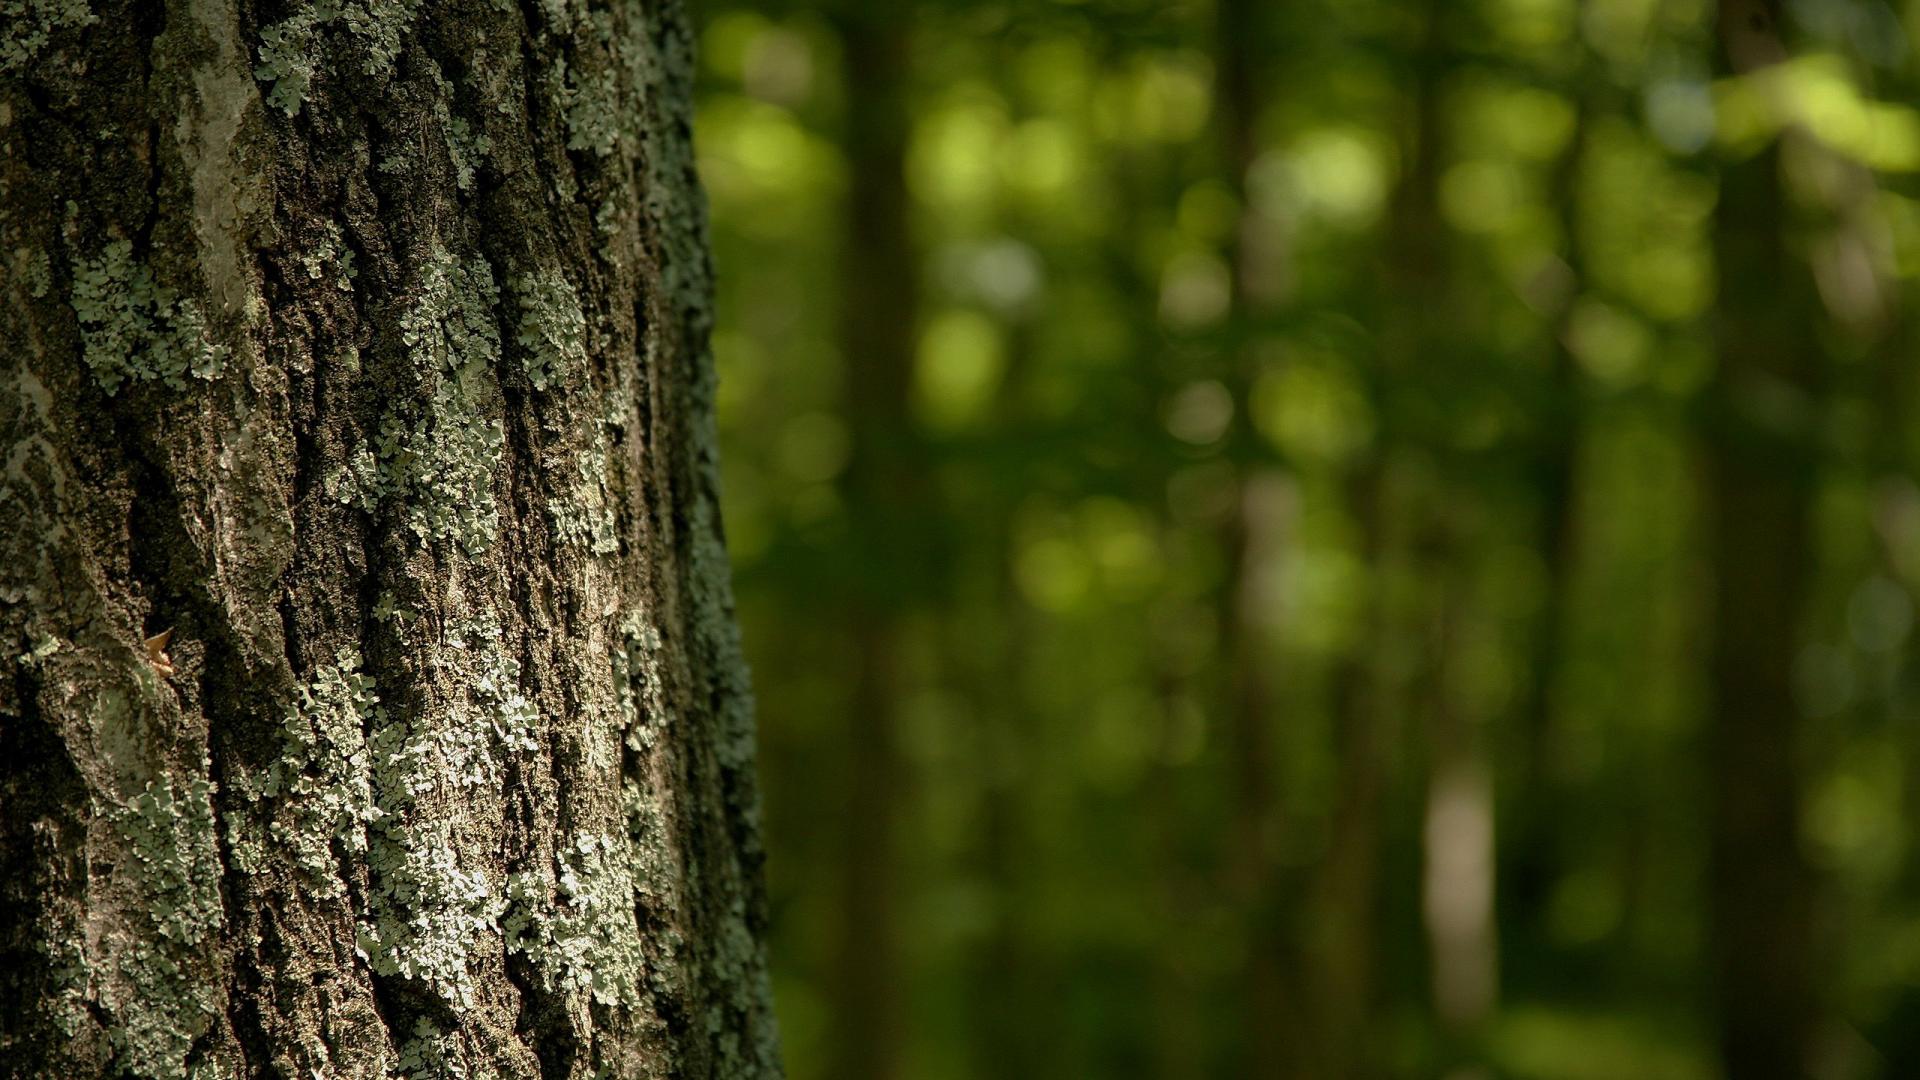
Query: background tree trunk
x=1760, y=470
x=879, y=293
x=373, y=703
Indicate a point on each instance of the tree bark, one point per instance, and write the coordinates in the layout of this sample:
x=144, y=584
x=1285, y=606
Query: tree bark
x=373, y=701
x=1438, y=506
x=1252, y=539
x=1534, y=857
x=1760, y=470
x=879, y=295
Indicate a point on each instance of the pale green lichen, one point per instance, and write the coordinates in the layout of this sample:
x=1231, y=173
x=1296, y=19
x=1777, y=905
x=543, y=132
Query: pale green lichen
x=650, y=855
x=606, y=220
x=576, y=926
x=593, y=115
x=39, y=275
x=319, y=792
x=584, y=518
x=213, y=1069
x=292, y=50
x=559, y=14
x=733, y=958
x=387, y=609
x=134, y=329
x=290, y=56
x=735, y=962
x=466, y=148
x=717, y=641
x=331, y=259
x=379, y=25
x=44, y=645
x=356, y=481
x=65, y=953
x=468, y=748
x=639, y=682
x=441, y=464
x=429, y=914
x=495, y=685
x=553, y=329
x=337, y=793
x=597, y=118
x=28, y=26
x=170, y=836
x=430, y=1054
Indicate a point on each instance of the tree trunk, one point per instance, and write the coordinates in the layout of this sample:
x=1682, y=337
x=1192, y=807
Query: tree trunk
x=1252, y=539
x=374, y=703
x=879, y=293
x=1760, y=473
x=1424, y=364
x=1534, y=853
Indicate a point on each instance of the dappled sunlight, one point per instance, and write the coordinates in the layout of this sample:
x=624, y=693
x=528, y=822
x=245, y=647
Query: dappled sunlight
x=1390, y=529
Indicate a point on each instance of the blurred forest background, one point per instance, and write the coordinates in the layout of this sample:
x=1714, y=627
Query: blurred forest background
x=1328, y=538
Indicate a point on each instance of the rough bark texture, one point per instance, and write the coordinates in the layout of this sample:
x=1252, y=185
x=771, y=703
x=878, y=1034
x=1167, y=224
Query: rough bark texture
x=362, y=346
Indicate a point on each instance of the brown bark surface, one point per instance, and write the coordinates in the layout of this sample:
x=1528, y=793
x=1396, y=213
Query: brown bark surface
x=373, y=702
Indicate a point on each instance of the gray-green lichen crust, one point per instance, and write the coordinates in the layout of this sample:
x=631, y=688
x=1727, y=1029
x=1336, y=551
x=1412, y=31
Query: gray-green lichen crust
x=553, y=330
x=440, y=464
x=26, y=26
x=169, y=834
x=373, y=706
x=317, y=797
x=135, y=329
x=293, y=52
